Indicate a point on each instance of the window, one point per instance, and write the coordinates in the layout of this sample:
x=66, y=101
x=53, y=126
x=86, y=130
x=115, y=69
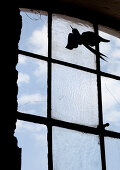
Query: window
x=67, y=97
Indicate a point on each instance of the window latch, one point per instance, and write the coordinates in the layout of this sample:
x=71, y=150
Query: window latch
x=103, y=126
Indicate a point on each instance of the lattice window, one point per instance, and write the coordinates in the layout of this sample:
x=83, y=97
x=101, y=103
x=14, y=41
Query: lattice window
x=67, y=97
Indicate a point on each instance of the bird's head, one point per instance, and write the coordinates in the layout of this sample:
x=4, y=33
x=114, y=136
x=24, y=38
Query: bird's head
x=75, y=31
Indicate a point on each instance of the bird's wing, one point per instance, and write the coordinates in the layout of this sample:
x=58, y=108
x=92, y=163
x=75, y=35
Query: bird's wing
x=88, y=34
x=72, y=42
x=94, y=51
x=89, y=38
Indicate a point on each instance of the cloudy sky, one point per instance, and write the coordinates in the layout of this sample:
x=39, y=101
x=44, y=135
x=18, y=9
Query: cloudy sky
x=76, y=92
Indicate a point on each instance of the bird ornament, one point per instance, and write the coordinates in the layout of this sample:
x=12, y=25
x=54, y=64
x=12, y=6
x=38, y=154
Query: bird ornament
x=88, y=39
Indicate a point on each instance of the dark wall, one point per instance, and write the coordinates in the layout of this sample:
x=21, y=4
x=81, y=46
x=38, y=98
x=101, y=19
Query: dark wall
x=13, y=26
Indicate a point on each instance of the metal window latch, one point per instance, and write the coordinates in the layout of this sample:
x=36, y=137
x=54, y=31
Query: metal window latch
x=103, y=126
x=106, y=125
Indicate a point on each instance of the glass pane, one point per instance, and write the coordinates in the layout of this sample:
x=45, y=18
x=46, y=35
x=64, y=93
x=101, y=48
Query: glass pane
x=34, y=36
x=32, y=138
x=61, y=27
x=75, y=151
x=74, y=96
x=111, y=103
x=112, y=149
x=32, y=86
x=112, y=51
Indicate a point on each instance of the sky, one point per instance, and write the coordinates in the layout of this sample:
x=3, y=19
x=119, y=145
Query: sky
x=76, y=93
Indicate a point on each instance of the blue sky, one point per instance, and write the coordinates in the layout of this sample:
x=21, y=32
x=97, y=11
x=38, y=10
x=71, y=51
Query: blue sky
x=75, y=90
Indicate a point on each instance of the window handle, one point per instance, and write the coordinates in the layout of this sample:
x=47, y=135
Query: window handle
x=106, y=125
x=103, y=126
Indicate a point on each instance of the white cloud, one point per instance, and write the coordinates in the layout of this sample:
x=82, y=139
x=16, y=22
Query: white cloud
x=40, y=137
x=110, y=93
x=113, y=52
x=27, y=126
x=23, y=78
x=117, y=42
x=105, y=48
x=111, y=103
x=116, y=54
x=113, y=116
x=41, y=69
x=30, y=98
x=39, y=40
x=21, y=59
x=38, y=132
x=114, y=68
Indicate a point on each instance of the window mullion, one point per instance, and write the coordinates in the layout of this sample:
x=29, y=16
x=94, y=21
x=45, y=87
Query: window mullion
x=101, y=134
x=49, y=125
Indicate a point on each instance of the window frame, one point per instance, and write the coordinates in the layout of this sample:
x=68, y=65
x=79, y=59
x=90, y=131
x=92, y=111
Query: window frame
x=49, y=121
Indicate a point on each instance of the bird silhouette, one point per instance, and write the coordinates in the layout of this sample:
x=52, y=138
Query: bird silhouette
x=88, y=39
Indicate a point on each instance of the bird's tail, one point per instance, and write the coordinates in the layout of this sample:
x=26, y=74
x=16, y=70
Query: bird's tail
x=102, y=57
x=104, y=40
x=94, y=51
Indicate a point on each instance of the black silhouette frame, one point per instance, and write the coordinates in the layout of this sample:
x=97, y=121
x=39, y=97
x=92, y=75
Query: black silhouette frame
x=49, y=121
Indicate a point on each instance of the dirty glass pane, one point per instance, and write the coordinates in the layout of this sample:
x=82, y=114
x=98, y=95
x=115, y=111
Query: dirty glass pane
x=112, y=149
x=32, y=86
x=74, y=96
x=75, y=150
x=32, y=138
x=61, y=27
x=34, y=36
x=112, y=51
x=111, y=103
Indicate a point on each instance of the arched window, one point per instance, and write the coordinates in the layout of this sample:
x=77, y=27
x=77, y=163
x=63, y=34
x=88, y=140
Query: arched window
x=68, y=98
